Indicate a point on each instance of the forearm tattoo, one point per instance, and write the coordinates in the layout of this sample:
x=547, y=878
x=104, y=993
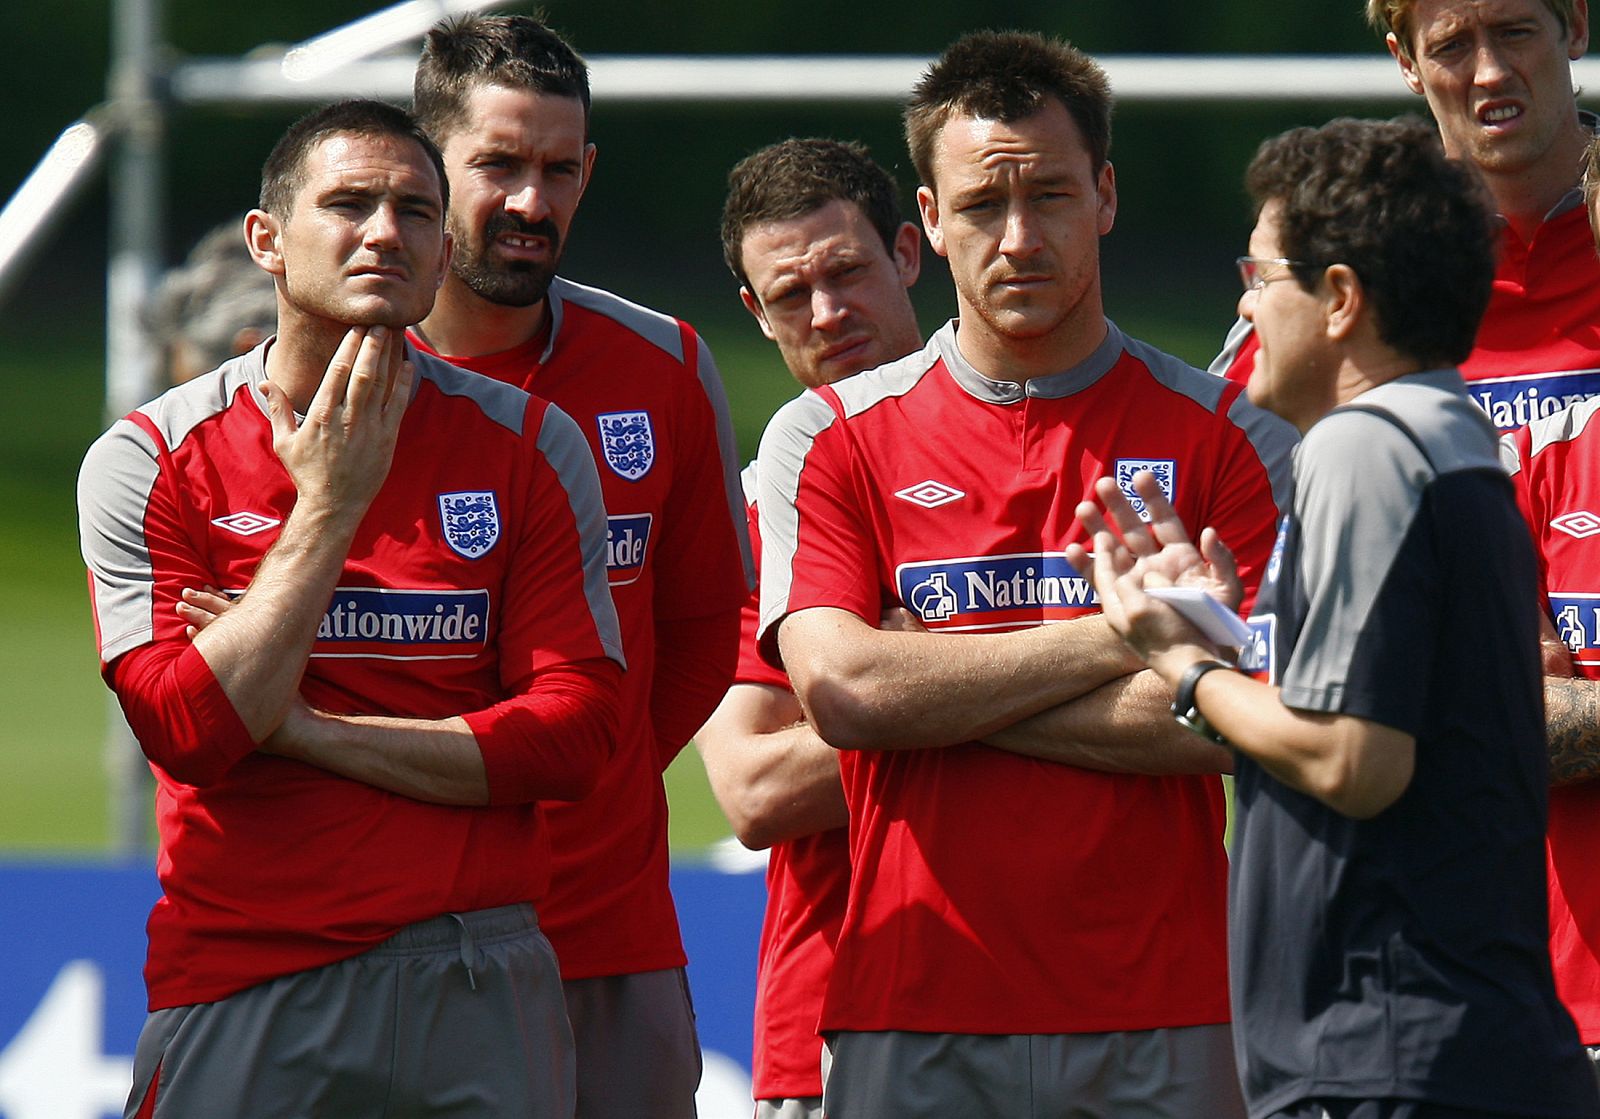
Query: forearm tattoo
x=1572, y=727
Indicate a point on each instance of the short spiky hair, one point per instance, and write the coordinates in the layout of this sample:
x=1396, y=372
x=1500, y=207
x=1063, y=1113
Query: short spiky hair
x=1005, y=76
x=792, y=178
x=518, y=52
x=1381, y=198
x=283, y=174
x=1399, y=17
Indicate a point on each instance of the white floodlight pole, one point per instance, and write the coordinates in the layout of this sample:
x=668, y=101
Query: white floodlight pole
x=132, y=375
x=43, y=195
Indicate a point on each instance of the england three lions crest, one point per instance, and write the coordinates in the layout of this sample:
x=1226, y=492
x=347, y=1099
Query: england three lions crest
x=628, y=442
x=1165, y=470
x=471, y=522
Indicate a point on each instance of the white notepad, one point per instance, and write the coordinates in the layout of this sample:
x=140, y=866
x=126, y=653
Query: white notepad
x=1207, y=615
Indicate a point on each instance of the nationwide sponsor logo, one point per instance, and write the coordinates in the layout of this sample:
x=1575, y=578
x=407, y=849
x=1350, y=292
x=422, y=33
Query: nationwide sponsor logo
x=1165, y=470
x=246, y=524
x=628, y=443
x=471, y=521
x=1257, y=656
x=627, y=546
x=381, y=623
x=1578, y=524
x=1514, y=402
x=994, y=592
x=930, y=494
x=1577, y=620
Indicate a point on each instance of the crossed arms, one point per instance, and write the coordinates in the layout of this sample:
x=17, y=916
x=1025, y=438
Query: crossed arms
x=235, y=687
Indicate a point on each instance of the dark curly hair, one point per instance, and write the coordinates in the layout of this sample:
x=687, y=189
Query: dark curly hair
x=792, y=178
x=1005, y=76
x=518, y=52
x=1380, y=197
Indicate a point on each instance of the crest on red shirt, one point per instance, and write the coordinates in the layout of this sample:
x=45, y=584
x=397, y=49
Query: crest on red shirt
x=471, y=521
x=1165, y=470
x=628, y=442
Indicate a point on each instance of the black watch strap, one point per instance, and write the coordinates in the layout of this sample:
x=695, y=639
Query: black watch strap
x=1183, y=705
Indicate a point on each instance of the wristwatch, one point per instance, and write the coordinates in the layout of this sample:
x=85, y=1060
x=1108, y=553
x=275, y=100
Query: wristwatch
x=1183, y=705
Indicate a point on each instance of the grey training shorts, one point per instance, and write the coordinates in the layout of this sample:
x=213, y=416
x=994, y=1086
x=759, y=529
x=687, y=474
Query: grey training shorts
x=1177, y=1073
x=459, y=1015
x=638, y=1052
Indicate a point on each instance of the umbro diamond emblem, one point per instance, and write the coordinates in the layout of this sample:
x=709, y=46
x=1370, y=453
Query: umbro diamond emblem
x=246, y=524
x=930, y=494
x=1578, y=524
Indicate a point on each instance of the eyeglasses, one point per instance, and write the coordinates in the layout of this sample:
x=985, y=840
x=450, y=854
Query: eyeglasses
x=1250, y=270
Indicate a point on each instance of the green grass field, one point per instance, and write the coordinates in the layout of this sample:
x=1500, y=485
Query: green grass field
x=53, y=785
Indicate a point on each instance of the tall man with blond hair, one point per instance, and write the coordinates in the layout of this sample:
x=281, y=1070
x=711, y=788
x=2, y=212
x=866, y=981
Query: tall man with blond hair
x=1497, y=78
x=1036, y=907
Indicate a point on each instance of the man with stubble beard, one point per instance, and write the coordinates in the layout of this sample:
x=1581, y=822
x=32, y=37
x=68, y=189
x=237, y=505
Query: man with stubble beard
x=507, y=100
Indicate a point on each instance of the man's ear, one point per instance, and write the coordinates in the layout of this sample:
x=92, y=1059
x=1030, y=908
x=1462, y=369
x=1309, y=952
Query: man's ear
x=1408, y=64
x=589, y=151
x=1578, y=30
x=753, y=305
x=1345, y=301
x=1106, y=188
x=928, y=207
x=908, y=253
x=263, y=236
x=445, y=258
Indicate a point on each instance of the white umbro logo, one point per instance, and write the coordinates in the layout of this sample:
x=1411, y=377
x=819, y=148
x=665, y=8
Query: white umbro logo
x=246, y=524
x=1579, y=524
x=930, y=494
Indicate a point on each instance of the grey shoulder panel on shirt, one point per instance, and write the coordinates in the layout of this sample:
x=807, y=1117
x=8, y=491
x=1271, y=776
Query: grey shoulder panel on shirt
x=118, y=475
x=563, y=446
x=728, y=450
x=1178, y=375
x=1359, y=482
x=505, y=404
x=789, y=437
x=1272, y=437
x=116, y=479
x=861, y=392
x=181, y=409
x=654, y=327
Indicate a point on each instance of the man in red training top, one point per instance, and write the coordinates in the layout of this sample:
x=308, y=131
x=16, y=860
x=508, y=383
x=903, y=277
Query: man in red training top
x=421, y=648
x=812, y=230
x=1497, y=77
x=1017, y=929
x=507, y=100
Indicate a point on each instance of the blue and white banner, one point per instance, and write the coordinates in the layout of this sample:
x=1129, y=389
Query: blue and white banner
x=72, y=995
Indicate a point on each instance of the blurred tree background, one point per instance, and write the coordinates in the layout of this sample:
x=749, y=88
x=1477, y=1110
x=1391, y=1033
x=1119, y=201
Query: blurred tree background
x=647, y=229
